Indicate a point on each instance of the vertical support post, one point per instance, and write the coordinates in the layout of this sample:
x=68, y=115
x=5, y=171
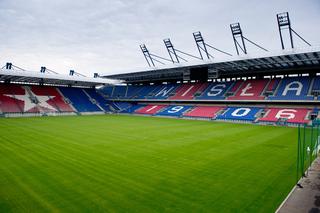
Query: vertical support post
x=303, y=150
x=298, y=154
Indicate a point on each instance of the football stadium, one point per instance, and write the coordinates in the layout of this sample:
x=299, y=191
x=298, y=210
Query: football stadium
x=239, y=134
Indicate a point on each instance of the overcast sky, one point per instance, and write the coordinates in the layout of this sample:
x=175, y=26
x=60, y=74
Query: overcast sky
x=104, y=36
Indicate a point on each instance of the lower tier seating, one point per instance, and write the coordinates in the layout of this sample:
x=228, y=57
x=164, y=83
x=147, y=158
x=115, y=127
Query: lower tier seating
x=290, y=115
x=55, y=99
x=46, y=99
x=9, y=101
x=79, y=99
x=150, y=109
x=175, y=110
x=99, y=99
x=240, y=113
x=204, y=111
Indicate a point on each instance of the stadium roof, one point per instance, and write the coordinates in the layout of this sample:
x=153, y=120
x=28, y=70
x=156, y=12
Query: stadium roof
x=287, y=61
x=20, y=76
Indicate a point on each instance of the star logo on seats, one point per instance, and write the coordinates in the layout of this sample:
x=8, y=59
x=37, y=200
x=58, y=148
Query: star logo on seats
x=28, y=104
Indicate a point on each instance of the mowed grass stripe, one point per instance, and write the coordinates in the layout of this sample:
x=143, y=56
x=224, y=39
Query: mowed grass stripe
x=143, y=164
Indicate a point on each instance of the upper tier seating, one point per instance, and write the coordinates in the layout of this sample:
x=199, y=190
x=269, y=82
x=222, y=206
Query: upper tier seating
x=79, y=99
x=162, y=91
x=316, y=85
x=272, y=85
x=143, y=92
x=186, y=91
x=293, y=115
x=250, y=90
x=132, y=91
x=107, y=91
x=204, y=111
x=240, y=113
x=295, y=88
x=174, y=111
x=8, y=99
x=150, y=109
x=215, y=91
x=119, y=92
x=235, y=86
x=52, y=97
x=289, y=88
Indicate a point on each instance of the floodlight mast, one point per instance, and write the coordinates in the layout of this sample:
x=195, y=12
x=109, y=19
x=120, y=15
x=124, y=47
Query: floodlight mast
x=46, y=70
x=147, y=55
x=202, y=46
x=284, y=23
x=150, y=58
x=72, y=73
x=237, y=34
x=173, y=52
x=10, y=66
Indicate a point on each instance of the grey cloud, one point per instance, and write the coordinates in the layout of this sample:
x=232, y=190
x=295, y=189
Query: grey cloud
x=104, y=36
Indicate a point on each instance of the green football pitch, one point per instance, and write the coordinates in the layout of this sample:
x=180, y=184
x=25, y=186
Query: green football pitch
x=116, y=163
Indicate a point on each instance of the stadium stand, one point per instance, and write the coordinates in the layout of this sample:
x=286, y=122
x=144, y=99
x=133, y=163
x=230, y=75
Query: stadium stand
x=107, y=91
x=186, y=91
x=295, y=88
x=150, y=109
x=119, y=91
x=175, y=110
x=240, y=113
x=250, y=90
x=102, y=102
x=8, y=98
x=143, y=92
x=215, y=91
x=273, y=84
x=291, y=115
x=204, y=111
x=54, y=98
x=162, y=91
x=79, y=99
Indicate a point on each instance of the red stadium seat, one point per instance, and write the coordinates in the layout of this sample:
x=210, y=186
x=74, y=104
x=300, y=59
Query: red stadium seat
x=250, y=90
x=56, y=100
x=204, y=111
x=187, y=91
x=150, y=109
x=7, y=101
x=293, y=115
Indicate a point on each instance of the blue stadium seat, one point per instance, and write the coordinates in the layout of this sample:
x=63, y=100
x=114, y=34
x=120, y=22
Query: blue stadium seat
x=96, y=96
x=143, y=92
x=174, y=111
x=119, y=92
x=316, y=84
x=163, y=91
x=107, y=91
x=79, y=99
x=215, y=91
x=133, y=91
x=239, y=113
x=293, y=89
x=132, y=108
